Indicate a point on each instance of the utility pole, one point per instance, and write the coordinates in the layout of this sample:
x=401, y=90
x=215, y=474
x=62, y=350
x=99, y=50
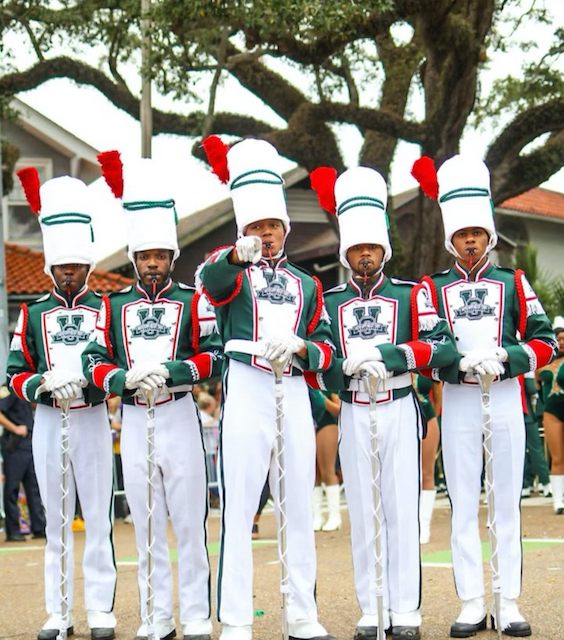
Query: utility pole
x=146, y=115
x=3, y=294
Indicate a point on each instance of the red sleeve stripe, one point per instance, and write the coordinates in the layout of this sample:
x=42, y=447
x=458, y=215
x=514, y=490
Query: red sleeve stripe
x=519, y=273
x=312, y=379
x=25, y=350
x=195, y=323
x=319, y=306
x=422, y=352
x=543, y=352
x=326, y=353
x=238, y=285
x=100, y=372
x=18, y=383
x=203, y=363
x=108, y=310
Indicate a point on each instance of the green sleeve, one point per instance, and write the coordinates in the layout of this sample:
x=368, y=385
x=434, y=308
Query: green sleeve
x=219, y=276
x=199, y=367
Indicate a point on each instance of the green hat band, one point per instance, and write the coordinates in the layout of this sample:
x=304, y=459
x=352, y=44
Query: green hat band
x=67, y=218
x=141, y=205
x=241, y=181
x=468, y=192
x=362, y=201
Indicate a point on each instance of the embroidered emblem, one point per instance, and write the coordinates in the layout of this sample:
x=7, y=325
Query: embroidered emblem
x=367, y=325
x=474, y=307
x=276, y=292
x=70, y=333
x=150, y=327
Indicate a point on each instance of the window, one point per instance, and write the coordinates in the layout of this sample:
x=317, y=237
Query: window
x=21, y=225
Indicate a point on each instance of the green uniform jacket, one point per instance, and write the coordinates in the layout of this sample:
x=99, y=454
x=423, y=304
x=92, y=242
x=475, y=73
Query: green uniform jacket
x=497, y=309
x=398, y=318
x=251, y=300
x=52, y=333
x=177, y=330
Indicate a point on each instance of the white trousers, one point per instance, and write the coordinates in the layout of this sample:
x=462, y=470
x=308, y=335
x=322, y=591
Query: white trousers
x=91, y=457
x=246, y=454
x=399, y=432
x=181, y=492
x=463, y=463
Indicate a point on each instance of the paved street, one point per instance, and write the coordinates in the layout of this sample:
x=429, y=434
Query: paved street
x=542, y=602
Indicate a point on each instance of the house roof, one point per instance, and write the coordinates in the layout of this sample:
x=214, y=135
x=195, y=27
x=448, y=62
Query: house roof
x=25, y=275
x=537, y=201
x=57, y=138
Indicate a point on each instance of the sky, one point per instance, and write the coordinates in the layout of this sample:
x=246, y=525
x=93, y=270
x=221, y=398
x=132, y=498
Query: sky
x=89, y=115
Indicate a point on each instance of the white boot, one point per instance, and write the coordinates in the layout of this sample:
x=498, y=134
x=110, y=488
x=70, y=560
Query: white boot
x=317, y=504
x=426, y=504
x=557, y=484
x=333, y=493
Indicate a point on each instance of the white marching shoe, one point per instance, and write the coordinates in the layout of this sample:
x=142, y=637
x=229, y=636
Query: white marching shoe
x=557, y=485
x=333, y=493
x=229, y=632
x=317, y=504
x=426, y=505
x=512, y=622
x=472, y=619
x=54, y=624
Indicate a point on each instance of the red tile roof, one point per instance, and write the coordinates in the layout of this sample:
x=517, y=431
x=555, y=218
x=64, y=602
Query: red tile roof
x=542, y=202
x=25, y=275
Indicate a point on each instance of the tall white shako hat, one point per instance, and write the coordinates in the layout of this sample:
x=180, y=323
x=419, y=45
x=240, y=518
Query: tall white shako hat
x=145, y=190
x=64, y=212
x=251, y=169
x=358, y=197
x=462, y=188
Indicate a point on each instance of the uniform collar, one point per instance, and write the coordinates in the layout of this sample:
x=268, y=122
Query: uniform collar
x=479, y=274
x=160, y=295
x=264, y=262
x=74, y=302
x=377, y=285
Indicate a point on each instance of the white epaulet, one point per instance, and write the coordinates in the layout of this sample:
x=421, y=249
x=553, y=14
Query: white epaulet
x=43, y=298
x=125, y=289
x=187, y=287
x=398, y=281
x=337, y=289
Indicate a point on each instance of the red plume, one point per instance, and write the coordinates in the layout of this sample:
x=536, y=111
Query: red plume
x=30, y=183
x=323, y=183
x=216, y=151
x=112, y=170
x=424, y=172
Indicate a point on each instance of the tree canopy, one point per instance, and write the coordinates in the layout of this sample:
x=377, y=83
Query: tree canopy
x=316, y=64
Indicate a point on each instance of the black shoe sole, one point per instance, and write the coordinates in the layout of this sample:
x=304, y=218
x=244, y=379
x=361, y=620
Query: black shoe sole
x=102, y=633
x=169, y=636
x=465, y=630
x=516, y=632
x=51, y=634
x=403, y=632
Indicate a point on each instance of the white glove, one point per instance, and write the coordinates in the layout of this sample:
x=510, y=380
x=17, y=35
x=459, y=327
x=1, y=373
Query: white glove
x=491, y=367
x=142, y=371
x=282, y=347
x=152, y=382
x=376, y=369
x=475, y=357
x=55, y=379
x=353, y=365
x=249, y=249
x=69, y=391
